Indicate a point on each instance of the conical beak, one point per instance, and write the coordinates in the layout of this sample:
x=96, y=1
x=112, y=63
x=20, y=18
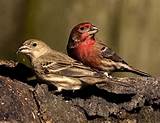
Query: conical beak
x=93, y=30
x=23, y=49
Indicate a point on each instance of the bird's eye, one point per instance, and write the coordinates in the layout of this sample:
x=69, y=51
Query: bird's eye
x=82, y=28
x=34, y=44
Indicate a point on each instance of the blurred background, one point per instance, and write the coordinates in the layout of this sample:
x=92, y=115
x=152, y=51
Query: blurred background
x=130, y=27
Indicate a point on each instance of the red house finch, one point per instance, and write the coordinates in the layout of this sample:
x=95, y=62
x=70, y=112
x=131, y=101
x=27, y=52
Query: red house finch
x=57, y=68
x=83, y=47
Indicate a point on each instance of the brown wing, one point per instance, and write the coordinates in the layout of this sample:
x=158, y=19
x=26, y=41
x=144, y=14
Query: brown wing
x=60, y=66
x=108, y=53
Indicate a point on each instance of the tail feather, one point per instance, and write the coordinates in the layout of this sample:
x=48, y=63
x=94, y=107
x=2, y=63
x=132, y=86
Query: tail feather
x=126, y=68
x=138, y=72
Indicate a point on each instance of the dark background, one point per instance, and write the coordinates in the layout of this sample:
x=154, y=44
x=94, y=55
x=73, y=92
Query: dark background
x=130, y=27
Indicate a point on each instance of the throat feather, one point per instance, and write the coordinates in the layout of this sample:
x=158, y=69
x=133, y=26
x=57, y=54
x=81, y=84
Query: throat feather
x=85, y=49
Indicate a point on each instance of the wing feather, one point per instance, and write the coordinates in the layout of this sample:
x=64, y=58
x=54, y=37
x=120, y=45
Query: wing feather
x=108, y=53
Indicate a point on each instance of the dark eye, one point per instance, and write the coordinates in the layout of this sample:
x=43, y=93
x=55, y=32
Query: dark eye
x=82, y=28
x=34, y=44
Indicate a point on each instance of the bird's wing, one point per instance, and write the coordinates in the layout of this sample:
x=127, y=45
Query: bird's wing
x=108, y=53
x=65, y=68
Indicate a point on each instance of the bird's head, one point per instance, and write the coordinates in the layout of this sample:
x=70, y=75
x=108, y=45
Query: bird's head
x=82, y=32
x=33, y=48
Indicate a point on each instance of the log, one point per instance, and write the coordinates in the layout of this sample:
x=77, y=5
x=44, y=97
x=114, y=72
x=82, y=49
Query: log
x=118, y=100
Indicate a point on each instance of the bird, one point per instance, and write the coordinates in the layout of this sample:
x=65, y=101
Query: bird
x=84, y=47
x=57, y=68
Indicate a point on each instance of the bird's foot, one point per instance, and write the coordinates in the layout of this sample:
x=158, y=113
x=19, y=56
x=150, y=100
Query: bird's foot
x=107, y=75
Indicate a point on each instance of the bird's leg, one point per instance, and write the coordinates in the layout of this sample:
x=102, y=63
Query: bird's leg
x=107, y=74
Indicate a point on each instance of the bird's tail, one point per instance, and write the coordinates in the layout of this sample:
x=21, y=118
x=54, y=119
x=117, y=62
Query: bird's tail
x=138, y=72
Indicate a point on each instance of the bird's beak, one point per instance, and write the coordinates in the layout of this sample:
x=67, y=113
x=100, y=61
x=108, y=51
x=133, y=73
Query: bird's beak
x=93, y=30
x=24, y=49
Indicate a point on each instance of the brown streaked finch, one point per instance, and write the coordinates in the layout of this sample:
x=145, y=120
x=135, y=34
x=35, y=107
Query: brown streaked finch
x=84, y=47
x=57, y=68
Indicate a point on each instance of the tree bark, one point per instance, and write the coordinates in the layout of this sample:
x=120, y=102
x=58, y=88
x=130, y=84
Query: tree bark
x=118, y=100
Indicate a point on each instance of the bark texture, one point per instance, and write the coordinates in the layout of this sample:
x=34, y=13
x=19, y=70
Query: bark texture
x=133, y=100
